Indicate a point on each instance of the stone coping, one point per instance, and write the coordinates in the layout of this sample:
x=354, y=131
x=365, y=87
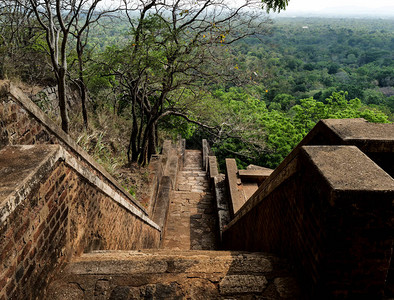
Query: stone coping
x=178, y=261
x=254, y=174
x=23, y=166
x=237, y=196
x=372, y=137
x=345, y=168
x=9, y=89
x=360, y=129
x=340, y=166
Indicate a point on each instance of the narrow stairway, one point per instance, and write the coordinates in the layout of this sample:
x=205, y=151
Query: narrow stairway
x=191, y=222
x=187, y=266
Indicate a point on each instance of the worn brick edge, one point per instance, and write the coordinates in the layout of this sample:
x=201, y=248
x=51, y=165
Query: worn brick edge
x=8, y=89
x=60, y=154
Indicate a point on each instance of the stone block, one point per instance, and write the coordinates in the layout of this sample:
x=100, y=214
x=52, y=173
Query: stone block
x=160, y=211
x=205, y=154
x=213, y=167
x=237, y=197
x=242, y=284
x=346, y=168
x=196, y=274
x=254, y=175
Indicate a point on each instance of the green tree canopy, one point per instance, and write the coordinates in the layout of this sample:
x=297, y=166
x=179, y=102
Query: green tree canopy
x=275, y=5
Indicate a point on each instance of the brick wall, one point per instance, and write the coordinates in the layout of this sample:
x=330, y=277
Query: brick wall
x=329, y=210
x=18, y=128
x=75, y=207
x=23, y=123
x=63, y=216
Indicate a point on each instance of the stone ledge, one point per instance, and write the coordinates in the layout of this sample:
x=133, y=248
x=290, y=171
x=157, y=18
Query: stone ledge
x=196, y=274
x=369, y=137
x=254, y=174
x=346, y=168
x=32, y=155
x=237, y=196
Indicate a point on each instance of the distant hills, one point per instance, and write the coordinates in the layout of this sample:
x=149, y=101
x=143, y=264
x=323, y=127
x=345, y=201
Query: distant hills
x=346, y=11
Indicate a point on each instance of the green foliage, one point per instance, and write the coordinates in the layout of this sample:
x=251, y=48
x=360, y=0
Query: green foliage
x=275, y=5
x=277, y=131
x=131, y=191
x=281, y=137
x=93, y=143
x=306, y=57
x=336, y=107
x=275, y=88
x=287, y=129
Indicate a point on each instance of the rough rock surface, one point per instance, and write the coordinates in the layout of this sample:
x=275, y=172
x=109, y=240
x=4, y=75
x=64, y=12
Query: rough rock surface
x=169, y=274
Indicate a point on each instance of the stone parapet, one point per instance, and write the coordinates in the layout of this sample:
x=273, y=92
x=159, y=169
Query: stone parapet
x=206, y=152
x=166, y=166
x=235, y=188
x=51, y=209
x=23, y=123
x=329, y=209
x=218, y=187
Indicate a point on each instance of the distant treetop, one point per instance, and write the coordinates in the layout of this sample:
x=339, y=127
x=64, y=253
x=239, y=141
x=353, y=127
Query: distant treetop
x=275, y=5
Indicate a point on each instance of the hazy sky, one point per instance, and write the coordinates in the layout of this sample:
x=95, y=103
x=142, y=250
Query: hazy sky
x=378, y=7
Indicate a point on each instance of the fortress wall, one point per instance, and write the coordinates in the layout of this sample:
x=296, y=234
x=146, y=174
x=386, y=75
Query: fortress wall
x=329, y=209
x=23, y=123
x=50, y=212
x=55, y=201
x=335, y=227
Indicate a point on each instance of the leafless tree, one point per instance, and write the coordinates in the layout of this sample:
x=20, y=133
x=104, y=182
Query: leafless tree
x=17, y=32
x=81, y=29
x=176, y=46
x=60, y=20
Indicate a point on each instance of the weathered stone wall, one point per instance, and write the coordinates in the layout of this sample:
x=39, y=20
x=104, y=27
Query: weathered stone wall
x=218, y=188
x=23, y=123
x=17, y=127
x=53, y=209
x=63, y=215
x=329, y=209
x=165, y=168
x=47, y=99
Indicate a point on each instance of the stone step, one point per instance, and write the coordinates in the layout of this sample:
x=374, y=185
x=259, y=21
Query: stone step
x=193, y=160
x=169, y=274
x=192, y=168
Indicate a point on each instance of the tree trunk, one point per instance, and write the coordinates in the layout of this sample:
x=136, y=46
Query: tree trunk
x=61, y=89
x=152, y=142
x=144, y=144
x=143, y=151
x=83, y=102
x=81, y=83
x=148, y=143
x=133, y=138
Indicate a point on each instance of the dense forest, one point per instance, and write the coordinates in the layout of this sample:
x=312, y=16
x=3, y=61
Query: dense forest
x=251, y=85
x=308, y=69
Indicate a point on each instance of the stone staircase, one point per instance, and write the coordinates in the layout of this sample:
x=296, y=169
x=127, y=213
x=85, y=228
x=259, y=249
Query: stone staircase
x=187, y=266
x=328, y=208
x=191, y=223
